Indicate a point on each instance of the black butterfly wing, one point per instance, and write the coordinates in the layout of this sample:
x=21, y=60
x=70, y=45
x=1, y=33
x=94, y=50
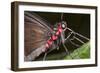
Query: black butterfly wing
x=37, y=32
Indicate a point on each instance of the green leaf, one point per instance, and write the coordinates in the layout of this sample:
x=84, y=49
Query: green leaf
x=80, y=53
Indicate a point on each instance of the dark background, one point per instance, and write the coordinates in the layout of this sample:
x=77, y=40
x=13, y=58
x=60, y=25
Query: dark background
x=78, y=22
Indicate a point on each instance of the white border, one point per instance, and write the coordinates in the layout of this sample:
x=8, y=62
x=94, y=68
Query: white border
x=33, y=64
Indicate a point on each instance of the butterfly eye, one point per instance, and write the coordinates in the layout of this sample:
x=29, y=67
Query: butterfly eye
x=63, y=25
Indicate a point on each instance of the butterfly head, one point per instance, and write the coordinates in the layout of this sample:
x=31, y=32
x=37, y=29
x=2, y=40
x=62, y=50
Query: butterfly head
x=63, y=24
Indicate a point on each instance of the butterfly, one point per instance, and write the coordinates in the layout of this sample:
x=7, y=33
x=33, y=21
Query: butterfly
x=42, y=37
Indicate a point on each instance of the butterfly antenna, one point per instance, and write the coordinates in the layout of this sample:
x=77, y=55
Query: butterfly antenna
x=61, y=16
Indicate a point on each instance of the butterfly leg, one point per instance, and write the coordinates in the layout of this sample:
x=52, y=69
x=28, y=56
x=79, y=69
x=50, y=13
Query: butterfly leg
x=45, y=54
x=58, y=43
x=67, y=50
x=58, y=48
x=74, y=43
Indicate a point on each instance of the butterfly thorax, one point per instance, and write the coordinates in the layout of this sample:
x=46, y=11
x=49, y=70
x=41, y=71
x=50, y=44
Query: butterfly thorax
x=54, y=37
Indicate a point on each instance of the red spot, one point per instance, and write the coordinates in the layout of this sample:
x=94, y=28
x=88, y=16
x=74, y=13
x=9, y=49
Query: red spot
x=49, y=42
x=60, y=30
x=47, y=46
x=57, y=33
x=54, y=37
